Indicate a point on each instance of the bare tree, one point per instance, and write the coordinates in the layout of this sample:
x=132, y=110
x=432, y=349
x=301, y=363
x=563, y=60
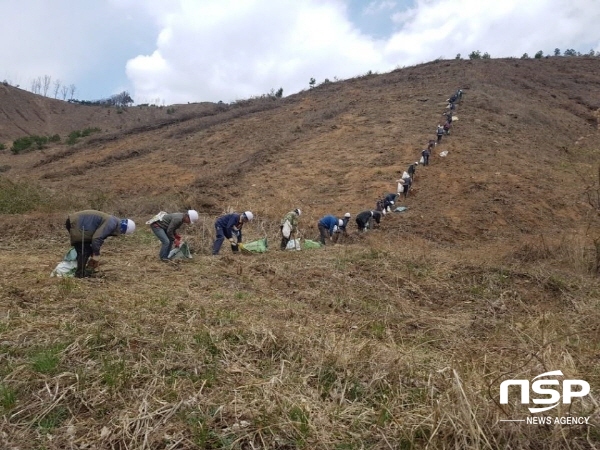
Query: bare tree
x=72, y=90
x=36, y=85
x=64, y=91
x=47, y=81
x=56, y=88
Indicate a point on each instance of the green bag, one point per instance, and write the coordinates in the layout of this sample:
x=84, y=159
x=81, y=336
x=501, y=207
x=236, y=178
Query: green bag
x=68, y=266
x=259, y=246
x=181, y=252
x=308, y=244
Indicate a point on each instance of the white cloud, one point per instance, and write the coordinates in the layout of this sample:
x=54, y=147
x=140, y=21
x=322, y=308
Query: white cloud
x=507, y=28
x=231, y=50
x=199, y=50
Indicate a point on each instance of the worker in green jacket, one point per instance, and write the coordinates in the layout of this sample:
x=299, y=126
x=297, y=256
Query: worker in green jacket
x=165, y=226
x=88, y=229
x=289, y=227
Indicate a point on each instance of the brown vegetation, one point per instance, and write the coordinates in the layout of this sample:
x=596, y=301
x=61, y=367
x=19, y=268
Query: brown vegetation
x=398, y=338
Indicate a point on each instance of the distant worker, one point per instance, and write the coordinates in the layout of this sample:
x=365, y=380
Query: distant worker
x=388, y=201
x=346, y=219
x=406, y=183
x=440, y=133
x=447, y=127
x=425, y=155
x=329, y=225
x=379, y=205
x=88, y=229
x=289, y=227
x=230, y=226
x=431, y=145
x=165, y=226
x=412, y=169
x=400, y=188
x=364, y=220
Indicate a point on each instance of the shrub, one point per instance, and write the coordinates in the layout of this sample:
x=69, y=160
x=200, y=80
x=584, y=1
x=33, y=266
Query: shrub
x=2, y=147
x=21, y=145
x=24, y=144
x=54, y=138
x=539, y=55
x=476, y=54
x=74, y=135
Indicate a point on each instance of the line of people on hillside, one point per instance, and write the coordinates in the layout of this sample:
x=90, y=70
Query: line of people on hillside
x=89, y=229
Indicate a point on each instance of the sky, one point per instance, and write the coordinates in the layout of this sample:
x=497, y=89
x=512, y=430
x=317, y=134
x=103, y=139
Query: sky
x=168, y=52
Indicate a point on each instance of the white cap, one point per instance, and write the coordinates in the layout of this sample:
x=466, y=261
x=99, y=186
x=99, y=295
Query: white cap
x=297, y=210
x=347, y=215
x=340, y=222
x=249, y=215
x=127, y=226
x=193, y=215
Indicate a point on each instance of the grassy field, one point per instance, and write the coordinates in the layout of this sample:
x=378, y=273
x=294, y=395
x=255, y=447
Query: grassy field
x=364, y=345
x=395, y=339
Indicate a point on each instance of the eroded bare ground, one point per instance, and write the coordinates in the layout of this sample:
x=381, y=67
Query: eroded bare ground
x=398, y=338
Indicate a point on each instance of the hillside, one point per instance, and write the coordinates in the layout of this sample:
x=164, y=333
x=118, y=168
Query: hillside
x=398, y=338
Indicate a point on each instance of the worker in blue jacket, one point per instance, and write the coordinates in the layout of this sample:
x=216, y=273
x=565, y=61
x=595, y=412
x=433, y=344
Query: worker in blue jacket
x=230, y=226
x=327, y=226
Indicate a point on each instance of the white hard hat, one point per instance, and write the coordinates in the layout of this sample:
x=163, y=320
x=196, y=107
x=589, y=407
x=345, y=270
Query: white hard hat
x=249, y=215
x=127, y=226
x=298, y=211
x=347, y=215
x=193, y=215
x=340, y=222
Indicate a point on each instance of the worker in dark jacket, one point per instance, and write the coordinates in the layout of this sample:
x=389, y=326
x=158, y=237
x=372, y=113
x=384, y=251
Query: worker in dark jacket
x=447, y=127
x=407, y=185
x=345, y=221
x=88, y=229
x=165, y=226
x=412, y=169
x=388, y=201
x=327, y=226
x=364, y=220
x=230, y=226
x=425, y=154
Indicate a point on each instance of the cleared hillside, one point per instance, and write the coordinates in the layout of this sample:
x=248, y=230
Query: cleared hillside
x=398, y=338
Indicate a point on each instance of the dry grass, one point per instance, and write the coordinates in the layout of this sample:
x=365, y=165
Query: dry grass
x=371, y=347
x=395, y=339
